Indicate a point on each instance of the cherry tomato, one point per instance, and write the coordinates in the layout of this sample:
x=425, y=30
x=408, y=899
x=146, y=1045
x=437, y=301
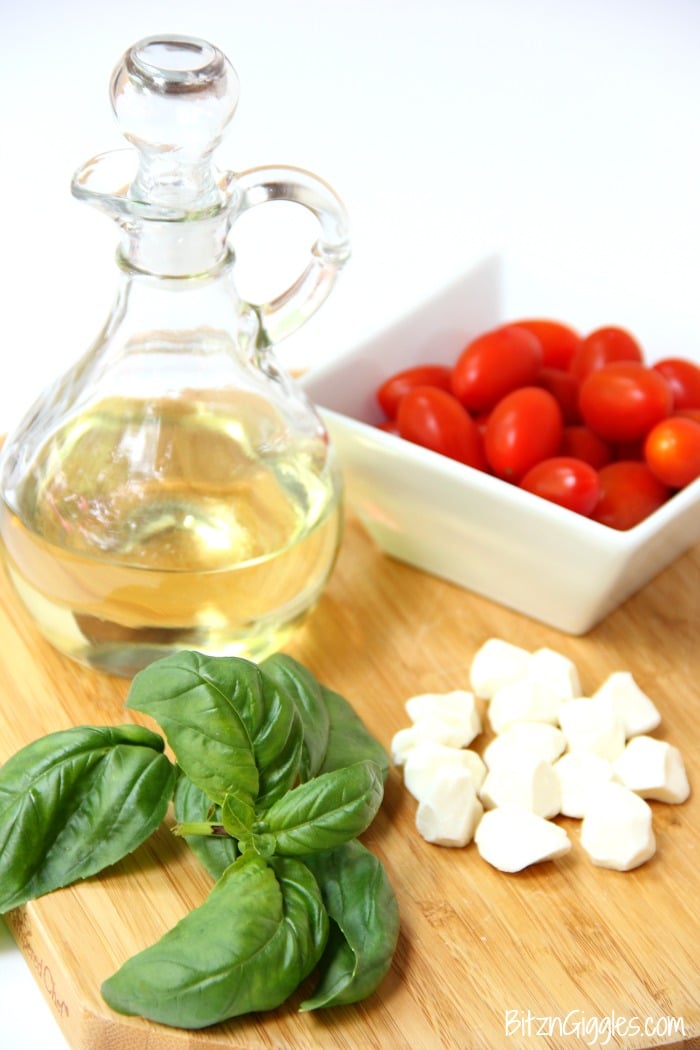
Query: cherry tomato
x=580, y=442
x=559, y=342
x=393, y=389
x=602, y=347
x=684, y=379
x=565, y=387
x=688, y=413
x=629, y=493
x=389, y=426
x=435, y=419
x=622, y=401
x=569, y=482
x=525, y=427
x=672, y=451
x=493, y=364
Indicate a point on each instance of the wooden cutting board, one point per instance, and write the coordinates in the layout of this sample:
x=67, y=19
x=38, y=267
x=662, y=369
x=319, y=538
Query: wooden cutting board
x=544, y=958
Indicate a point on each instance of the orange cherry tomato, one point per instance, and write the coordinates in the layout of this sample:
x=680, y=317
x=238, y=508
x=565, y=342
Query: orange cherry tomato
x=622, y=401
x=672, y=451
x=393, y=389
x=602, y=347
x=569, y=482
x=493, y=364
x=435, y=419
x=629, y=493
x=525, y=427
x=559, y=341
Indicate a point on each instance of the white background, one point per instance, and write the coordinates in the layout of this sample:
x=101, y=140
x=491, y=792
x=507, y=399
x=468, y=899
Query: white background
x=566, y=130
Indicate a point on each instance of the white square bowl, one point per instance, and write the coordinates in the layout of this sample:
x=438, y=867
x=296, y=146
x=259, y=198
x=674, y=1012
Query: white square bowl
x=473, y=529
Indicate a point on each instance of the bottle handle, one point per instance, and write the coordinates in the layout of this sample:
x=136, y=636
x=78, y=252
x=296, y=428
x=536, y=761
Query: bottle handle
x=289, y=310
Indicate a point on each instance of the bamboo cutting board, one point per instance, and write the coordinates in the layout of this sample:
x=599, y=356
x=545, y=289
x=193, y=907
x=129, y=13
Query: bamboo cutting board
x=564, y=955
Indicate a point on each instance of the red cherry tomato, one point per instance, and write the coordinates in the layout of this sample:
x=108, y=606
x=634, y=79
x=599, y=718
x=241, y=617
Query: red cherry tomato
x=672, y=451
x=565, y=388
x=569, y=482
x=602, y=347
x=629, y=493
x=559, y=342
x=581, y=443
x=435, y=419
x=494, y=364
x=622, y=401
x=525, y=427
x=393, y=389
x=684, y=379
x=688, y=413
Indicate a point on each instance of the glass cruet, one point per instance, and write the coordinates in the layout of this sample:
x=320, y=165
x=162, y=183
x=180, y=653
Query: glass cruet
x=175, y=488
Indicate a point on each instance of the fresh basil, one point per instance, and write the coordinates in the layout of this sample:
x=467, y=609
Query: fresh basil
x=259, y=933
x=349, y=740
x=307, y=693
x=274, y=778
x=231, y=727
x=75, y=802
x=327, y=811
x=364, y=928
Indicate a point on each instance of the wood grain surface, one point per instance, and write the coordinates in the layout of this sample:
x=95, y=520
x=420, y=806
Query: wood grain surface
x=563, y=955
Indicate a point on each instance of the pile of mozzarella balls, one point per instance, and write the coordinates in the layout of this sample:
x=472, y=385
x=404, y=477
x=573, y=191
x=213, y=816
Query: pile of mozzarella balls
x=554, y=752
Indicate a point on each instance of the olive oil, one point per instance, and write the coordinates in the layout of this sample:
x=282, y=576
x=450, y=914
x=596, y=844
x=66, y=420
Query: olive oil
x=143, y=527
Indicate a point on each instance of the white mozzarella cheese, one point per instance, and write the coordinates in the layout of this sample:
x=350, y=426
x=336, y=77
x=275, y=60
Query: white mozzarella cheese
x=449, y=812
x=653, y=769
x=457, y=707
x=633, y=707
x=511, y=838
x=555, y=674
x=616, y=831
x=592, y=725
x=535, y=738
x=523, y=780
x=579, y=774
x=426, y=760
x=495, y=664
x=522, y=701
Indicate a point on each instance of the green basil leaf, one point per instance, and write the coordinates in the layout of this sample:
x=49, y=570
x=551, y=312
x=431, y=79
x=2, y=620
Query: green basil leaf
x=231, y=727
x=364, y=928
x=307, y=693
x=326, y=811
x=193, y=806
x=349, y=739
x=238, y=816
x=260, y=932
x=76, y=801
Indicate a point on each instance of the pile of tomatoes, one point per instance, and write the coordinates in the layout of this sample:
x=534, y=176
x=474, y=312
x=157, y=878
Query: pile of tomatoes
x=582, y=421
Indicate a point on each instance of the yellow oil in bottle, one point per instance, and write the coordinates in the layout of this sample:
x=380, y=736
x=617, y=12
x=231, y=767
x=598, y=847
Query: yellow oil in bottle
x=144, y=527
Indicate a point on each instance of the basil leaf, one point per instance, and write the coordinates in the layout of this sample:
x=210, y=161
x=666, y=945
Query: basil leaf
x=307, y=693
x=193, y=806
x=238, y=816
x=260, y=932
x=326, y=811
x=349, y=740
x=231, y=727
x=364, y=929
x=76, y=801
